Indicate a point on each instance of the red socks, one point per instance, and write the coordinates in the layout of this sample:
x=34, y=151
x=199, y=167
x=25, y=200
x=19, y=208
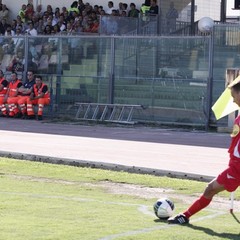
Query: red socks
x=198, y=205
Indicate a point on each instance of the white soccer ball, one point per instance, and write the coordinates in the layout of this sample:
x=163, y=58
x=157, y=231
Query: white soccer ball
x=205, y=24
x=163, y=208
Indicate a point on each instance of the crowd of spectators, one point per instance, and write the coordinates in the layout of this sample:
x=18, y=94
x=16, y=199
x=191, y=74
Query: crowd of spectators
x=78, y=18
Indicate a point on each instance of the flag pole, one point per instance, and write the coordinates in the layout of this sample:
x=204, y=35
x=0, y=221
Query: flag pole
x=231, y=202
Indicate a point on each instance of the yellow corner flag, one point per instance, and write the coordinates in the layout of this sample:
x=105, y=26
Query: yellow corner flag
x=225, y=105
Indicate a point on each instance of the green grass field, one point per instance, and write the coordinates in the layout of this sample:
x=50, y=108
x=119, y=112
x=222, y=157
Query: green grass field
x=56, y=202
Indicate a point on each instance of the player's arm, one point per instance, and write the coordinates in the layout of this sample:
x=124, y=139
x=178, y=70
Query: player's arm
x=17, y=90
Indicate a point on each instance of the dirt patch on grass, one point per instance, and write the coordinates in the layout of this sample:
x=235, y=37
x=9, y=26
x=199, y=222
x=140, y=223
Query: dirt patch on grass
x=140, y=191
x=146, y=192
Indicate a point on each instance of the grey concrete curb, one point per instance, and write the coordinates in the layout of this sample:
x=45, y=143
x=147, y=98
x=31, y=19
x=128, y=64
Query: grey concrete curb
x=106, y=166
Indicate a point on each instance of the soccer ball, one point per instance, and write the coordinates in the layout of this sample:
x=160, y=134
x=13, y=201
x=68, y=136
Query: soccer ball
x=205, y=24
x=163, y=208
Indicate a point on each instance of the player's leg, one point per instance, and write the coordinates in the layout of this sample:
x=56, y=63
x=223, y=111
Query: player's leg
x=227, y=180
x=203, y=201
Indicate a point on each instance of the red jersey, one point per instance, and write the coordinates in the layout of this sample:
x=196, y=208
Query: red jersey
x=234, y=149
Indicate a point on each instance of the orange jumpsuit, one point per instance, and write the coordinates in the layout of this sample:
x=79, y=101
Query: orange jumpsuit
x=12, y=99
x=3, y=92
x=45, y=100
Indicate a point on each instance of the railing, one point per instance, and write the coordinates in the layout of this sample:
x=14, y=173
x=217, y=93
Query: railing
x=167, y=75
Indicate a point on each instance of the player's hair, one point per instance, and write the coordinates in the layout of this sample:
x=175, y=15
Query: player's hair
x=236, y=87
x=38, y=76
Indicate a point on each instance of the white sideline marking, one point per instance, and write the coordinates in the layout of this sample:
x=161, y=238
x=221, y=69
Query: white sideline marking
x=146, y=230
x=142, y=208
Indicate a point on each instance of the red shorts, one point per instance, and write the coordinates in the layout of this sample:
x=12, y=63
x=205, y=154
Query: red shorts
x=229, y=179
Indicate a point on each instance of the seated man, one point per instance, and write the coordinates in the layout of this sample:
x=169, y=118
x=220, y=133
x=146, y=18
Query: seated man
x=3, y=91
x=25, y=92
x=11, y=97
x=39, y=96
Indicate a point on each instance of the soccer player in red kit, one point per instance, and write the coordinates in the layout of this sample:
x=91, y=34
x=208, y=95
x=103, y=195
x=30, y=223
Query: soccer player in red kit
x=228, y=180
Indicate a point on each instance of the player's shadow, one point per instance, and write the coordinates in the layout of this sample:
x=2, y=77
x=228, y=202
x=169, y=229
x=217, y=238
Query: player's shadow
x=213, y=233
x=163, y=220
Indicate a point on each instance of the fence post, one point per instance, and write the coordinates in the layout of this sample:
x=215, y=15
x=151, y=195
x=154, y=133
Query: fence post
x=111, y=74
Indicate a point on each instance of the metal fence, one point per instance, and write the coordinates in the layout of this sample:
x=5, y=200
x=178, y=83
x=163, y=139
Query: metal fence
x=168, y=76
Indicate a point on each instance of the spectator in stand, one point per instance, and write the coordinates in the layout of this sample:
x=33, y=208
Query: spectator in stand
x=78, y=28
x=124, y=14
x=45, y=19
x=49, y=10
x=102, y=13
x=21, y=12
x=120, y=7
x=5, y=24
x=96, y=9
x=39, y=96
x=115, y=13
x=17, y=62
x=9, y=31
x=62, y=23
x=92, y=26
x=69, y=29
x=4, y=13
x=171, y=16
x=100, y=8
x=56, y=16
x=145, y=7
x=110, y=8
x=81, y=6
x=25, y=90
x=29, y=12
x=67, y=17
x=18, y=40
x=40, y=27
x=14, y=25
x=31, y=30
x=75, y=17
x=47, y=30
x=64, y=9
x=3, y=92
x=19, y=23
x=2, y=29
x=56, y=29
x=50, y=20
x=35, y=22
x=124, y=8
x=154, y=9
x=133, y=12
x=11, y=97
x=38, y=13
x=73, y=8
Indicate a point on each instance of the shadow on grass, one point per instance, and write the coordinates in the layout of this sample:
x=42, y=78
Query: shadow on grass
x=213, y=233
x=163, y=220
